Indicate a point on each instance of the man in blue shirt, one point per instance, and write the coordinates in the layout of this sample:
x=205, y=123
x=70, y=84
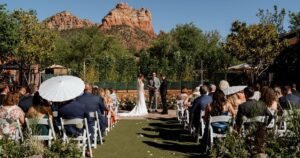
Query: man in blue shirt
x=200, y=104
x=94, y=103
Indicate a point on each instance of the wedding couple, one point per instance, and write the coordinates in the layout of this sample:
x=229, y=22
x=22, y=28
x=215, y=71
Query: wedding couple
x=154, y=85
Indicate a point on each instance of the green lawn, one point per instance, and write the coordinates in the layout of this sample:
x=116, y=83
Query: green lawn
x=147, y=138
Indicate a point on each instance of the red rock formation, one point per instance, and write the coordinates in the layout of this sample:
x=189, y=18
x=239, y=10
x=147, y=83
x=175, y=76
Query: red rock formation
x=65, y=21
x=125, y=15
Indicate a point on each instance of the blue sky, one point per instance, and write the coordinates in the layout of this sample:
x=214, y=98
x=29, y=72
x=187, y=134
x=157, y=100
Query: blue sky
x=206, y=14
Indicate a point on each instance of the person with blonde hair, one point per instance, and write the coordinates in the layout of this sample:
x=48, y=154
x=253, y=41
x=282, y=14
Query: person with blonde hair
x=223, y=84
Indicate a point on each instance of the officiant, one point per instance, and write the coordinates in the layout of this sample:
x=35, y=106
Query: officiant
x=153, y=86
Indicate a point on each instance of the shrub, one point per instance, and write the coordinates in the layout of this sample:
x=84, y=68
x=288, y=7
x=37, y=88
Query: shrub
x=231, y=146
x=60, y=149
x=287, y=145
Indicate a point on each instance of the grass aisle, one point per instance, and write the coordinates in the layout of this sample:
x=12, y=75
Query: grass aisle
x=147, y=138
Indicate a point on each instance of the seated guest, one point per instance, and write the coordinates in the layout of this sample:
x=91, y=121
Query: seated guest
x=183, y=94
x=103, y=109
x=270, y=100
x=74, y=109
x=22, y=92
x=235, y=99
x=91, y=102
x=40, y=109
x=257, y=93
x=252, y=108
x=289, y=100
x=294, y=90
x=223, y=84
x=199, y=105
x=26, y=101
x=109, y=103
x=216, y=108
x=11, y=112
x=4, y=91
x=278, y=93
x=189, y=100
x=212, y=89
x=113, y=96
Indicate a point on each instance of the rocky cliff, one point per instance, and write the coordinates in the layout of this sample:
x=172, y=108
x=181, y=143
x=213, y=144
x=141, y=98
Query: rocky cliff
x=123, y=14
x=65, y=21
x=133, y=27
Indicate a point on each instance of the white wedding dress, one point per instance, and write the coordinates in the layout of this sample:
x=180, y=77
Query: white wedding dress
x=140, y=109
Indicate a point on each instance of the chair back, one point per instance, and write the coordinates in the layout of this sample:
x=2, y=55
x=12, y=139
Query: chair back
x=79, y=123
x=257, y=119
x=55, y=113
x=41, y=121
x=18, y=135
x=215, y=119
x=221, y=118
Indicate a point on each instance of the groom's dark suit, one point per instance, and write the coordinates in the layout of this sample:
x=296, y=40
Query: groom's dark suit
x=163, y=93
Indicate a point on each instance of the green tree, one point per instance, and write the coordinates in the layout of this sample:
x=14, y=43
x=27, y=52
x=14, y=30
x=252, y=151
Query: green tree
x=181, y=51
x=9, y=33
x=36, y=41
x=294, y=20
x=89, y=47
x=276, y=18
x=257, y=44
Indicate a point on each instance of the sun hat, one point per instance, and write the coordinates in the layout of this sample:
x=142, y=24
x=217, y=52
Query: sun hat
x=233, y=89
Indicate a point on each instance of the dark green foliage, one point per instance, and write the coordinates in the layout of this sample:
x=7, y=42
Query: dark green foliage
x=102, y=54
x=255, y=44
x=182, y=50
x=266, y=17
x=60, y=149
x=9, y=33
x=294, y=20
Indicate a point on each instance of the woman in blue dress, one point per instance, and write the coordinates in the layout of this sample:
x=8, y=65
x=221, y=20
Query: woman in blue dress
x=218, y=107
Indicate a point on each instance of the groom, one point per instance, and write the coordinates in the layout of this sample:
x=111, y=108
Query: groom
x=154, y=85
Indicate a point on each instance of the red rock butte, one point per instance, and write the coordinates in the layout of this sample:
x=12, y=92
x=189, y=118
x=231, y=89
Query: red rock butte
x=123, y=14
x=65, y=21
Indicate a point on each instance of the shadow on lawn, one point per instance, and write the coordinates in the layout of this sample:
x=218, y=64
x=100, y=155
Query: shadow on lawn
x=169, y=135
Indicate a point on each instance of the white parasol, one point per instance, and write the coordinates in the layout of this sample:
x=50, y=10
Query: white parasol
x=233, y=89
x=61, y=88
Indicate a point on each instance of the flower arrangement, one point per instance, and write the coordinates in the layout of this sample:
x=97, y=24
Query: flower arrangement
x=127, y=102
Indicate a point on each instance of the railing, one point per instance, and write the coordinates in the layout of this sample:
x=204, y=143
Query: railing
x=132, y=85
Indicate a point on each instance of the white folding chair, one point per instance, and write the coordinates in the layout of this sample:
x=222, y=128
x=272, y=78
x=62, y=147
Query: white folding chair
x=108, y=128
x=179, y=110
x=17, y=135
x=256, y=119
x=200, y=131
x=215, y=119
x=116, y=110
x=97, y=131
x=43, y=121
x=83, y=140
x=283, y=121
x=186, y=118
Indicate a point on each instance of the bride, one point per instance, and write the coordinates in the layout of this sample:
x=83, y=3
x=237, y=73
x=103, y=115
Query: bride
x=140, y=109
